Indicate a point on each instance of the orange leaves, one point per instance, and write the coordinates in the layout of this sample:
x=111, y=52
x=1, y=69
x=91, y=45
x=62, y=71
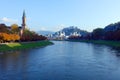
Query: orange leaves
x=9, y=37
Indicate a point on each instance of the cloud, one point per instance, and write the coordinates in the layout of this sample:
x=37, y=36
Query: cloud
x=5, y=19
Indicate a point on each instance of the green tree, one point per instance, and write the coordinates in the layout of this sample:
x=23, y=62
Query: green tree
x=98, y=33
x=31, y=36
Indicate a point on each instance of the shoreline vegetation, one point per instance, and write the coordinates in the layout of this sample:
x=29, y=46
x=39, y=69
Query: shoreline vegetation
x=23, y=45
x=101, y=42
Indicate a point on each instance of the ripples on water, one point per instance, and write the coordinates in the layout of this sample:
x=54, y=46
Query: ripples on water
x=62, y=61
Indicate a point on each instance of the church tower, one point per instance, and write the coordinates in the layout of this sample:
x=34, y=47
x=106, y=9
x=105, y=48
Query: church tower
x=23, y=23
x=24, y=20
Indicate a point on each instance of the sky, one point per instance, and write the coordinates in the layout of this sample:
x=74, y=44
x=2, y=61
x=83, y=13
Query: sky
x=53, y=15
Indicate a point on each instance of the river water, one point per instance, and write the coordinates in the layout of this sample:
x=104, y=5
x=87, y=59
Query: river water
x=62, y=61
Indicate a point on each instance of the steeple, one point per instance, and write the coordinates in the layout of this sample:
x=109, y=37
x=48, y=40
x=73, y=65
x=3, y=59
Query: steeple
x=23, y=20
x=23, y=23
x=24, y=14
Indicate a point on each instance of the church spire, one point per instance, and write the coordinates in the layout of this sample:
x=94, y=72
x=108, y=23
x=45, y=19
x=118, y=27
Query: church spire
x=24, y=14
x=23, y=23
x=23, y=20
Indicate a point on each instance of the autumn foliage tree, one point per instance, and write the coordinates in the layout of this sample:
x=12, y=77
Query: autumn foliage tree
x=11, y=34
x=15, y=28
x=5, y=37
x=8, y=34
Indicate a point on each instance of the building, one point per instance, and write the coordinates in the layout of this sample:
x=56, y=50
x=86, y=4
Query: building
x=23, y=25
x=75, y=34
x=19, y=30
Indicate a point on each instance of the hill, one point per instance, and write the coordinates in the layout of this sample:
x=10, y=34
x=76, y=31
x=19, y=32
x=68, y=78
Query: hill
x=71, y=30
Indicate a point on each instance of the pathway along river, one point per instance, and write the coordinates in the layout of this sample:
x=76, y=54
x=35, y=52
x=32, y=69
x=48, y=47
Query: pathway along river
x=62, y=61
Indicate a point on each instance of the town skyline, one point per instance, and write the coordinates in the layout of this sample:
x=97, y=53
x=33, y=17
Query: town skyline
x=55, y=15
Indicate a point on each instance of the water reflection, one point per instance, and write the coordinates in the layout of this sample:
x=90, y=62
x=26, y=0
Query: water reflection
x=116, y=50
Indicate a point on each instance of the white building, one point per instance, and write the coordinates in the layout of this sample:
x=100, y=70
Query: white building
x=75, y=34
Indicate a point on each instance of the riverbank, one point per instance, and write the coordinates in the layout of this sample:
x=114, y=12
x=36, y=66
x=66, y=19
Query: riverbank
x=23, y=45
x=103, y=42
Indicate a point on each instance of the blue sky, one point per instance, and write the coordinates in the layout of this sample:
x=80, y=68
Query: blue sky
x=55, y=14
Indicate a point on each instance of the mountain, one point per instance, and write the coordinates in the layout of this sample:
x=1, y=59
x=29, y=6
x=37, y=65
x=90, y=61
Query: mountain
x=45, y=32
x=71, y=30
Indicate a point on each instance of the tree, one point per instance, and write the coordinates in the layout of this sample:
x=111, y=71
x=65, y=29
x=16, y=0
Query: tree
x=31, y=36
x=15, y=28
x=3, y=28
x=1, y=38
x=98, y=33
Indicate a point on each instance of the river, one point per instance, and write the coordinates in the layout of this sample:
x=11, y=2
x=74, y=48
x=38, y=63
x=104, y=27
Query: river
x=62, y=61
